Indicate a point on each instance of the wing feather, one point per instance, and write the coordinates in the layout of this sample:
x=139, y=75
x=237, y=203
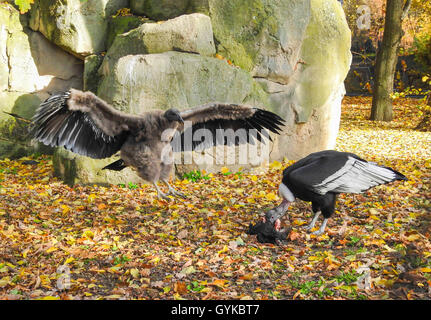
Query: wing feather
x=357, y=176
x=82, y=123
x=215, y=116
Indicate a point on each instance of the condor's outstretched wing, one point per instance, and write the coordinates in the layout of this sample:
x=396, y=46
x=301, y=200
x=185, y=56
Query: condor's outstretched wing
x=82, y=123
x=208, y=125
x=340, y=172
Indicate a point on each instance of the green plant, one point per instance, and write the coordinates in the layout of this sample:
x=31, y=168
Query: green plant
x=239, y=174
x=132, y=186
x=9, y=170
x=195, y=175
x=353, y=241
x=195, y=286
x=121, y=259
x=23, y=5
x=348, y=277
x=316, y=288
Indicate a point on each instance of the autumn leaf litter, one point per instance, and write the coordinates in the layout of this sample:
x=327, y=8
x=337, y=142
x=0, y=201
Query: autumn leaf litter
x=121, y=242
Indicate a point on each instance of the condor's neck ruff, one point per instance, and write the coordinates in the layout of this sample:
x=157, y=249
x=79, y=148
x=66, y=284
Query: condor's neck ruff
x=286, y=193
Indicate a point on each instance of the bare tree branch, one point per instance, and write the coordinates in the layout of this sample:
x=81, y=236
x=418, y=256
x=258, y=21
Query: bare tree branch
x=406, y=9
x=18, y=117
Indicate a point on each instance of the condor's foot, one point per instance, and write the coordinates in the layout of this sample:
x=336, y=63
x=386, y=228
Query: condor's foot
x=174, y=192
x=160, y=194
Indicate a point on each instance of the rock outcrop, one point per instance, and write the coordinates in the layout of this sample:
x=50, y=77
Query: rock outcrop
x=31, y=68
x=288, y=56
x=79, y=27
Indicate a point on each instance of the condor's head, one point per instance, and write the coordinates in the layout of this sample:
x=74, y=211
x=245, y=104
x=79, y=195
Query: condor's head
x=173, y=115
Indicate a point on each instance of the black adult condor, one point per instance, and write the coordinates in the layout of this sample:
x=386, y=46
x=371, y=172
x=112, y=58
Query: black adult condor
x=85, y=124
x=321, y=176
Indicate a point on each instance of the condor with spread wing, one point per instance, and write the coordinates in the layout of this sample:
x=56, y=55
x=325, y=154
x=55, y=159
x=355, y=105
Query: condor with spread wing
x=321, y=176
x=85, y=124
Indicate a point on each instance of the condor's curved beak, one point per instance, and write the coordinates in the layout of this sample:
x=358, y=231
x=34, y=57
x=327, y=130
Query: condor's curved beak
x=180, y=119
x=276, y=213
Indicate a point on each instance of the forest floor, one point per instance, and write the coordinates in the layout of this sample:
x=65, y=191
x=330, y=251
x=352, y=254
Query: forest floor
x=120, y=242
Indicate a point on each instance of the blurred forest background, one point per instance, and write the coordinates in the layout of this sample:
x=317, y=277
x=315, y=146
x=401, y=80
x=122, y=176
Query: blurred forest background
x=414, y=61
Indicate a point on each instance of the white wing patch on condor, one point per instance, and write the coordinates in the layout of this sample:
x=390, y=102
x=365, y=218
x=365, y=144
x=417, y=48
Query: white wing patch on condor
x=355, y=177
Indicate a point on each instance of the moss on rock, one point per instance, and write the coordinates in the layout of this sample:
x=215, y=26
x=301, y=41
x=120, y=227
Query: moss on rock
x=14, y=133
x=75, y=169
x=121, y=24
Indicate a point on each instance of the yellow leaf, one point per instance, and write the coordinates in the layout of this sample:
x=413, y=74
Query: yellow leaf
x=155, y=260
x=427, y=270
x=69, y=260
x=413, y=237
x=276, y=165
x=224, y=170
x=219, y=283
x=4, y=281
x=49, y=298
x=373, y=212
x=299, y=222
x=225, y=249
x=134, y=272
x=65, y=208
x=89, y=234
x=253, y=178
x=247, y=276
x=323, y=237
x=51, y=249
x=271, y=196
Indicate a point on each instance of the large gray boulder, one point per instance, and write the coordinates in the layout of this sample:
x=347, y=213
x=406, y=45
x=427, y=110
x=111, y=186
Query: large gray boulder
x=174, y=79
x=311, y=100
x=75, y=169
x=121, y=24
x=79, y=27
x=187, y=33
x=268, y=38
x=263, y=37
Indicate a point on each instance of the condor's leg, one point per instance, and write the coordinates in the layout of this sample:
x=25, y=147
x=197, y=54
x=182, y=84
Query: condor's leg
x=160, y=194
x=172, y=190
x=327, y=210
x=317, y=212
x=166, y=168
x=322, y=228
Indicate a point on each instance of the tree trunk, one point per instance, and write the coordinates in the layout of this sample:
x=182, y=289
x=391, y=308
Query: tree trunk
x=386, y=60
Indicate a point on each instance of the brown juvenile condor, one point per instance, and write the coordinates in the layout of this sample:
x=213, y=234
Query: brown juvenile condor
x=85, y=124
